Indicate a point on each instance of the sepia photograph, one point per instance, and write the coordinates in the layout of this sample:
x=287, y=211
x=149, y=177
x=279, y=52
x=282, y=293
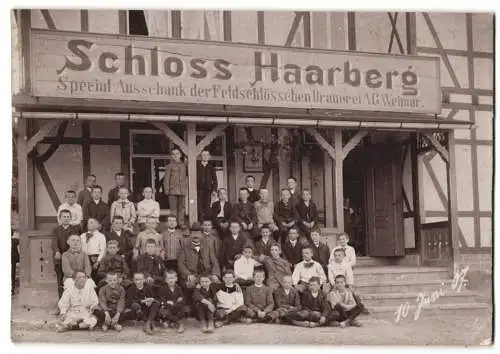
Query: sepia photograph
x=263, y=176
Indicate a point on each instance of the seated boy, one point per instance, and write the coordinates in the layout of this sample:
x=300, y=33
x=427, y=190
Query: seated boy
x=124, y=238
x=321, y=251
x=94, y=245
x=111, y=303
x=77, y=304
x=151, y=265
x=292, y=248
x=232, y=245
x=275, y=266
x=264, y=209
x=124, y=208
x=285, y=214
x=147, y=208
x=205, y=299
x=209, y=234
x=287, y=301
x=140, y=303
x=306, y=270
x=115, y=264
x=350, y=253
x=315, y=308
x=339, y=266
x=244, y=267
x=344, y=303
x=230, y=303
x=172, y=242
x=263, y=246
x=144, y=236
x=244, y=212
x=259, y=301
x=74, y=259
x=172, y=304
x=307, y=214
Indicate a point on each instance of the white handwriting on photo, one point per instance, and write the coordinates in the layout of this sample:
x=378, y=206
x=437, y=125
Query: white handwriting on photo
x=425, y=299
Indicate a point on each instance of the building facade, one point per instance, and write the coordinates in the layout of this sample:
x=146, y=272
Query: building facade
x=418, y=174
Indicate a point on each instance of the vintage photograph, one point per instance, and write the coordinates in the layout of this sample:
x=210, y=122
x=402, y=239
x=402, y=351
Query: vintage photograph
x=252, y=177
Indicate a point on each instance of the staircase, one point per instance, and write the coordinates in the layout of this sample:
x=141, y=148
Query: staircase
x=387, y=288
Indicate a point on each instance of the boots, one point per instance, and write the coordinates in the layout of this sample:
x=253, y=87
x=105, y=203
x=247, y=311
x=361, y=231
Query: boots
x=148, y=327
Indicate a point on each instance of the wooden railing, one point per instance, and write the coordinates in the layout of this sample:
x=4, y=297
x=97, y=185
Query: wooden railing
x=436, y=244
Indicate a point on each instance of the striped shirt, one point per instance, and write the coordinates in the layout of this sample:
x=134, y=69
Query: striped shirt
x=172, y=242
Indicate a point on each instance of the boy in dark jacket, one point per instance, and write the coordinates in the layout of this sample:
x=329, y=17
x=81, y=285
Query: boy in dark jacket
x=321, y=251
x=111, y=303
x=221, y=212
x=172, y=303
x=112, y=262
x=292, y=248
x=96, y=209
x=285, y=214
x=263, y=246
x=307, y=214
x=232, y=245
x=205, y=300
x=245, y=214
x=124, y=238
x=259, y=301
x=287, y=301
x=315, y=308
x=151, y=265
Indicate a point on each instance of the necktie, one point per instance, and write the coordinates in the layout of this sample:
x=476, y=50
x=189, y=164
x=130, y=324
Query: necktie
x=123, y=204
x=89, y=236
x=308, y=265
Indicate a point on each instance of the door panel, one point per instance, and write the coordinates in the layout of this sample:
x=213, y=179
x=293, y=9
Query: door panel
x=384, y=202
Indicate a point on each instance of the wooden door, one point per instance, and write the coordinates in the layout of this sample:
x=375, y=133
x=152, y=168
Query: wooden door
x=384, y=202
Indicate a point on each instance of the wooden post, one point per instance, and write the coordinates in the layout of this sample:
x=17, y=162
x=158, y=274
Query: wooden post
x=452, y=201
x=339, y=180
x=192, y=206
x=328, y=189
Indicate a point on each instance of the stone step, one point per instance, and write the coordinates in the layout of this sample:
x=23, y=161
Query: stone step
x=415, y=298
x=393, y=273
x=458, y=307
x=400, y=286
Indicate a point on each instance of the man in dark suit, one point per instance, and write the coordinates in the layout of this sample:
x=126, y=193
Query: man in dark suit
x=206, y=183
x=221, y=212
x=85, y=196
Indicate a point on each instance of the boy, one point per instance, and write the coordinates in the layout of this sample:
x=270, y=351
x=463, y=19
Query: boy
x=287, y=301
x=244, y=267
x=321, y=251
x=230, y=303
x=94, y=245
x=148, y=234
x=292, y=248
x=276, y=267
x=232, y=245
x=315, y=309
x=221, y=213
x=206, y=183
x=123, y=237
x=210, y=236
x=175, y=185
x=140, y=303
x=151, y=265
x=253, y=194
x=77, y=304
x=113, y=263
x=264, y=209
x=73, y=207
x=307, y=213
x=124, y=208
x=294, y=194
x=259, y=301
x=205, y=299
x=172, y=242
x=285, y=214
x=344, y=302
x=172, y=303
x=97, y=209
x=85, y=196
x=263, y=246
x=75, y=259
x=114, y=193
x=60, y=244
x=350, y=253
x=339, y=266
x=111, y=303
x=245, y=214
x=306, y=270
x=147, y=208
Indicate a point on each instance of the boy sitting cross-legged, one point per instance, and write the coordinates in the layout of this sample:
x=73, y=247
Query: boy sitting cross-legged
x=259, y=301
x=172, y=303
x=111, y=303
x=151, y=265
x=113, y=263
x=77, y=304
x=344, y=303
x=140, y=303
x=205, y=299
x=230, y=303
x=315, y=308
x=287, y=300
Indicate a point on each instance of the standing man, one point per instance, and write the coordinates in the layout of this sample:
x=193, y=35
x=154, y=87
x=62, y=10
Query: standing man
x=206, y=183
x=175, y=185
x=292, y=187
x=85, y=196
x=113, y=192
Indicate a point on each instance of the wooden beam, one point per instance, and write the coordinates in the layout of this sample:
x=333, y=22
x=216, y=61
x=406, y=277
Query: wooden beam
x=437, y=145
x=415, y=189
x=123, y=21
x=227, y=27
x=192, y=190
x=214, y=133
x=41, y=134
x=86, y=161
x=452, y=201
x=323, y=143
x=170, y=134
x=351, y=31
x=84, y=20
x=355, y=140
x=24, y=37
x=328, y=189
x=339, y=180
x=261, y=34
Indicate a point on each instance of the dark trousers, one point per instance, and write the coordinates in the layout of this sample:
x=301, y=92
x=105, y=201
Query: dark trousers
x=270, y=316
x=59, y=277
x=244, y=283
x=231, y=317
x=204, y=197
x=172, y=313
x=287, y=315
x=100, y=314
x=203, y=313
x=140, y=312
x=93, y=274
x=309, y=315
x=340, y=314
x=171, y=264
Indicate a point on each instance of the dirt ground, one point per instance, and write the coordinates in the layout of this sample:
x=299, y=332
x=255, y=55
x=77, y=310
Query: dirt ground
x=467, y=328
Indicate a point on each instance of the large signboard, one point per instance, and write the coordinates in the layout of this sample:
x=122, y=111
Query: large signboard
x=134, y=68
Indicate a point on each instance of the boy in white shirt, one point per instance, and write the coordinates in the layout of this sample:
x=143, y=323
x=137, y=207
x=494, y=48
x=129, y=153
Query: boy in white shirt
x=244, y=267
x=147, y=208
x=73, y=207
x=230, y=302
x=350, y=253
x=340, y=267
x=307, y=269
x=94, y=245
